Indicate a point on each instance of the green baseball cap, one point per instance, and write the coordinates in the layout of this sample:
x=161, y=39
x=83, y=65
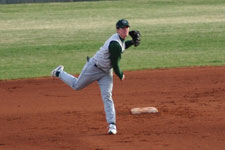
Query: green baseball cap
x=122, y=23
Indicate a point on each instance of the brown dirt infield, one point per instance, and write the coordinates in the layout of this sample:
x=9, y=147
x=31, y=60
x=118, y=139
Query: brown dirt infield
x=45, y=114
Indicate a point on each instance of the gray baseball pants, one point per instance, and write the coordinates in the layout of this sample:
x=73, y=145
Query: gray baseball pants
x=89, y=74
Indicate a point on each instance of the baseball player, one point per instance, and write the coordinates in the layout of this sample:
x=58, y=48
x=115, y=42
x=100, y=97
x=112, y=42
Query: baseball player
x=100, y=68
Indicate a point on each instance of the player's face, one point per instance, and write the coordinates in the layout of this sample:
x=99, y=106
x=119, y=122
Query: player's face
x=123, y=32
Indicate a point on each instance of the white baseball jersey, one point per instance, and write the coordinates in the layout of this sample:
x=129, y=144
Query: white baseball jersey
x=101, y=58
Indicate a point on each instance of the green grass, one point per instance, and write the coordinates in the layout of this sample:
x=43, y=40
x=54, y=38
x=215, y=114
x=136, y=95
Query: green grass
x=35, y=38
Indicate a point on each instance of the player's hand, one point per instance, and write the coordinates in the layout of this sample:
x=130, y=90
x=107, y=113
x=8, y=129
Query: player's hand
x=123, y=77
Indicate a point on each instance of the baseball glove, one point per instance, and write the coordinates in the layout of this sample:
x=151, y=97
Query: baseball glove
x=136, y=37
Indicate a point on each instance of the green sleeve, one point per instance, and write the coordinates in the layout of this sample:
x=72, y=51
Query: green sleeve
x=128, y=44
x=115, y=51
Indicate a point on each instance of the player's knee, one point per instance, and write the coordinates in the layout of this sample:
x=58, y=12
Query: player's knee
x=77, y=87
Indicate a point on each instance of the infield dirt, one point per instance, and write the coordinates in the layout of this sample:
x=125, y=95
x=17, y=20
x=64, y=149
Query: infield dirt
x=46, y=114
